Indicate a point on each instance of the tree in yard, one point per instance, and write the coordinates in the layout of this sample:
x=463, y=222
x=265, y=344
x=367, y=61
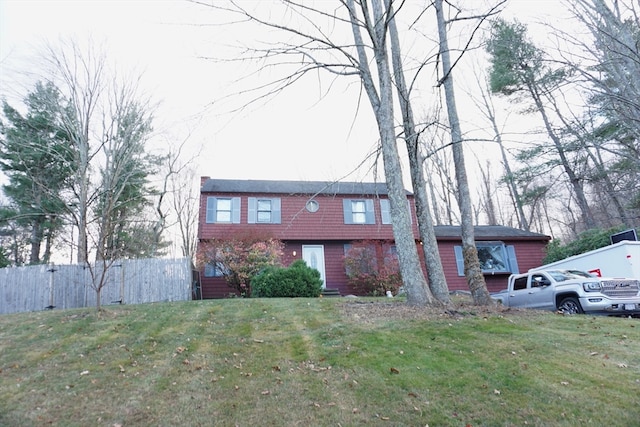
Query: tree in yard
x=518, y=67
x=431, y=253
x=124, y=191
x=185, y=206
x=37, y=156
x=108, y=123
x=81, y=76
x=178, y=186
x=241, y=258
x=375, y=23
x=472, y=269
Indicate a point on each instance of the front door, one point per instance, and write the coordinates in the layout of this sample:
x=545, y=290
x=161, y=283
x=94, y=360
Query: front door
x=313, y=255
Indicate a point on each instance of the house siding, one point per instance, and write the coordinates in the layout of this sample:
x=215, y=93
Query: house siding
x=299, y=224
x=529, y=254
x=327, y=227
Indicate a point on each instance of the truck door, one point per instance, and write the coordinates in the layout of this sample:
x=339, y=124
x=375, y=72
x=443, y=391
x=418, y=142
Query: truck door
x=518, y=297
x=540, y=293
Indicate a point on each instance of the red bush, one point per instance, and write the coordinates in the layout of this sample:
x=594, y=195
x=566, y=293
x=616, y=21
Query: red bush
x=371, y=270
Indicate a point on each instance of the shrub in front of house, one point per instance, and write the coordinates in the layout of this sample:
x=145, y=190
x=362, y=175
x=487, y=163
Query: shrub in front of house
x=371, y=271
x=240, y=258
x=297, y=280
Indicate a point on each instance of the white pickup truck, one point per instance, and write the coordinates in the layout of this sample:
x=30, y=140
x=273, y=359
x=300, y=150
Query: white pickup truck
x=572, y=292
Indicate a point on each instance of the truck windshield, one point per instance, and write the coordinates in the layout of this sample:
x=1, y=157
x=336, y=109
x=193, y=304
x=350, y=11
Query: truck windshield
x=562, y=275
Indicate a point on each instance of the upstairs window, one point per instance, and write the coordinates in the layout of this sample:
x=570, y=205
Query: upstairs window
x=494, y=257
x=385, y=211
x=359, y=211
x=223, y=210
x=264, y=211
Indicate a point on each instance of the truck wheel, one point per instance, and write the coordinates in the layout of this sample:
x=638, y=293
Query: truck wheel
x=570, y=305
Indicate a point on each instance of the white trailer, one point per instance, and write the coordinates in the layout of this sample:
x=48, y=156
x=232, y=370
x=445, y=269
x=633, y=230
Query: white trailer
x=621, y=259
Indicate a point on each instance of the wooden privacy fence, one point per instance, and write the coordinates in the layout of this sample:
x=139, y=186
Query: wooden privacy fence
x=133, y=281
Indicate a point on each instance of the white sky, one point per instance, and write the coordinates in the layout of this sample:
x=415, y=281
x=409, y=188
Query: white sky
x=296, y=137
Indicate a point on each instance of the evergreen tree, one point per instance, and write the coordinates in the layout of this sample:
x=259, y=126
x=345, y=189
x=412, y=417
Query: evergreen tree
x=518, y=69
x=36, y=156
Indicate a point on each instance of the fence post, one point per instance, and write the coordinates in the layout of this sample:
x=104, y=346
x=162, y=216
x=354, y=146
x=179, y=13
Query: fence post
x=121, y=282
x=51, y=270
x=121, y=267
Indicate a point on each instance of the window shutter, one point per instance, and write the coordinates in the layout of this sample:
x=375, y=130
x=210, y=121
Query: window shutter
x=275, y=211
x=346, y=207
x=253, y=207
x=235, y=210
x=369, y=214
x=211, y=210
x=459, y=260
x=385, y=213
x=513, y=262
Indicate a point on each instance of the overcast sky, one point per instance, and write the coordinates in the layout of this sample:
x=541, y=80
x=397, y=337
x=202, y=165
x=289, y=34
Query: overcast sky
x=301, y=135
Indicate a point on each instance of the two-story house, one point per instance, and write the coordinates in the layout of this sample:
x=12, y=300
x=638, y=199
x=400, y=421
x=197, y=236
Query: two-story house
x=318, y=221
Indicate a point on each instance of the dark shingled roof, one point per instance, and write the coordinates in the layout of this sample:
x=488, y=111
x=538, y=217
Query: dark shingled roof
x=293, y=187
x=485, y=232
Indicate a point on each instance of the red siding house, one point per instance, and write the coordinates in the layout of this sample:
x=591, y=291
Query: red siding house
x=318, y=221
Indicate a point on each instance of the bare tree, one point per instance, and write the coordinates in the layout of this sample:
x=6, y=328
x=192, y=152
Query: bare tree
x=472, y=269
x=441, y=177
x=488, y=195
x=488, y=110
x=82, y=80
x=376, y=24
x=109, y=123
x=179, y=187
x=437, y=280
x=607, y=65
x=185, y=206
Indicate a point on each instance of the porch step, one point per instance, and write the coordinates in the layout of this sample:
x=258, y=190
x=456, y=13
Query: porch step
x=331, y=292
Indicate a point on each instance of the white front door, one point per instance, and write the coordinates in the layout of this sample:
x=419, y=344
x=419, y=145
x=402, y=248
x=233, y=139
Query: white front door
x=313, y=255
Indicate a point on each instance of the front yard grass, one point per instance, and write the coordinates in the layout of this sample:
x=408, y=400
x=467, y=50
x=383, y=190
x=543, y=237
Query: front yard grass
x=274, y=362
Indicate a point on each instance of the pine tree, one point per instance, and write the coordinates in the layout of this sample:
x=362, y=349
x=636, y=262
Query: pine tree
x=36, y=156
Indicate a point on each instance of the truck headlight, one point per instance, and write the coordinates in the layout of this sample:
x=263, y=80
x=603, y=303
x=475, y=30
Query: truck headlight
x=592, y=286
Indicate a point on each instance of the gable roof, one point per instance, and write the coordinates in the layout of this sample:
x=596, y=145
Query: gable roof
x=293, y=187
x=488, y=232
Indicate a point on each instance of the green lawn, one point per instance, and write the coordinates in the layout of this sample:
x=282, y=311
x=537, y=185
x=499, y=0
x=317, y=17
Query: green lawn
x=316, y=362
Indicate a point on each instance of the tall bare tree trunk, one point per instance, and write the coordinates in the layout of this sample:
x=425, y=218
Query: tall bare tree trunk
x=597, y=163
x=433, y=262
x=472, y=270
x=413, y=278
x=83, y=77
x=513, y=189
x=575, y=181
